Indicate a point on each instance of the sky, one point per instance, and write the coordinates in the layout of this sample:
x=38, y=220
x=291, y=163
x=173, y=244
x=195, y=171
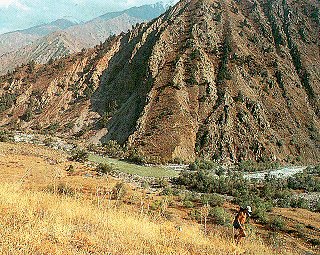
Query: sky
x=21, y=14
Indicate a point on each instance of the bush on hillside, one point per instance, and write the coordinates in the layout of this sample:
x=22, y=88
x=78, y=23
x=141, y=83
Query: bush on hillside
x=104, y=168
x=136, y=157
x=212, y=200
x=119, y=191
x=113, y=149
x=220, y=216
x=79, y=156
x=5, y=136
x=202, y=165
x=277, y=223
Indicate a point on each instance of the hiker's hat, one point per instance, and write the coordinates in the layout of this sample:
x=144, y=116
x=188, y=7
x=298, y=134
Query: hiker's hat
x=249, y=210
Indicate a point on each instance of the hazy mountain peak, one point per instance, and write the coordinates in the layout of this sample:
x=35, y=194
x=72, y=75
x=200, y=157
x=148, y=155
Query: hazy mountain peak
x=144, y=12
x=82, y=35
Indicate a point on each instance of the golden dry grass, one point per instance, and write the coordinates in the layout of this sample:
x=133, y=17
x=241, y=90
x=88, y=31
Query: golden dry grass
x=41, y=223
x=34, y=221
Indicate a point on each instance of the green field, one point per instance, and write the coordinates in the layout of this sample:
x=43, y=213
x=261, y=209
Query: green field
x=125, y=167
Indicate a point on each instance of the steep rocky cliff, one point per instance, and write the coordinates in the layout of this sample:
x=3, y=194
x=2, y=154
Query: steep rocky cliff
x=223, y=80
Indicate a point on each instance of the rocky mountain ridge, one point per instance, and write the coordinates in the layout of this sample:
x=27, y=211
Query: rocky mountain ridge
x=222, y=80
x=63, y=37
x=13, y=41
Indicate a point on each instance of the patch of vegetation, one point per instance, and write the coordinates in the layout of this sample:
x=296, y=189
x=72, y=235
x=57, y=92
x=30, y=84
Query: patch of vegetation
x=31, y=66
x=203, y=164
x=276, y=32
x=136, y=157
x=262, y=195
x=217, y=16
x=245, y=23
x=188, y=204
x=104, y=168
x=304, y=181
x=6, y=136
x=119, y=191
x=314, y=132
x=27, y=116
x=220, y=216
x=79, y=155
x=89, y=90
x=223, y=72
x=212, y=200
x=113, y=149
x=52, y=128
x=277, y=223
x=296, y=57
x=240, y=97
x=61, y=189
x=7, y=101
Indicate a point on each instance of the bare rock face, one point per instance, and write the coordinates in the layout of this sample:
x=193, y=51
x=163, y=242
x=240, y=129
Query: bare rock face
x=222, y=80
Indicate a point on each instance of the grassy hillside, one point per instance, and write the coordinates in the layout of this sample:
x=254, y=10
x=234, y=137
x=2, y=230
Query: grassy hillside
x=41, y=223
x=46, y=210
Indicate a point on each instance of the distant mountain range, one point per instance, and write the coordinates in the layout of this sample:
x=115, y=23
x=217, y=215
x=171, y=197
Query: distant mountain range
x=14, y=40
x=62, y=37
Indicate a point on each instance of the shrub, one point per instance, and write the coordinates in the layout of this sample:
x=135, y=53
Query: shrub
x=5, y=136
x=155, y=205
x=283, y=198
x=79, y=156
x=27, y=116
x=162, y=183
x=145, y=184
x=167, y=192
x=260, y=211
x=119, y=191
x=304, y=181
x=104, y=168
x=212, y=200
x=202, y=165
x=160, y=206
x=240, y=97
x=314, y=242
x=48, y=141
x=7, y=101
x=113, y=149
x=195, y=214
x=193, y=197
x=188, y=204
x=299, y=203
x=136, y=157
x=61, y=189
x=220, y=216
x=277, y=223
x=317, y=206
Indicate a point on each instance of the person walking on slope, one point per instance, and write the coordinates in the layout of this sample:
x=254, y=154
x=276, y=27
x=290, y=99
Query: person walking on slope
x=239, y=221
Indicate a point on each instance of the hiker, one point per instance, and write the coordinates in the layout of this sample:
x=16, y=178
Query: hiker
x=239, y=221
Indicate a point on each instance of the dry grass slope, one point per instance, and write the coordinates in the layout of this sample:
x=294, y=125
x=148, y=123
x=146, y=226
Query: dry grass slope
x=42, y=223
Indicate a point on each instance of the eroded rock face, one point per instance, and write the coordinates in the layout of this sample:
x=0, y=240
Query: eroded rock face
x=224, y=80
